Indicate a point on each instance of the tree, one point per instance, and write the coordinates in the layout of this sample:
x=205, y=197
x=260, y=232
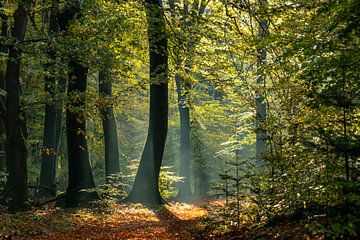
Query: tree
x=146, y=185
x=183, y=87
x=187, y=43
x=185, y=141
x=16, y=151
x=80, y=173
x=112, y=165
x=201, y=178
x=53, y=117
x=260, y=99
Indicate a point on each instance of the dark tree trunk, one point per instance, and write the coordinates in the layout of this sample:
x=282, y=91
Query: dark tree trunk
x=146, y=185
x=48, y=160
x=185, y=143
x=79, y=168
x=80, y=173
x=112, y=165
x=3, y=49
x=53, y=121
x=51, y=143
x=2, y=147
x=16, y=152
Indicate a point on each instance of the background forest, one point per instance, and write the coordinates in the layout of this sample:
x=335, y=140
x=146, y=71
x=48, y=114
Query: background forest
x=258, y=102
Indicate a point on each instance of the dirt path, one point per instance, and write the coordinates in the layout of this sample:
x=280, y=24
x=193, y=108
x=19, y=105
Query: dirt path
x=175, y=221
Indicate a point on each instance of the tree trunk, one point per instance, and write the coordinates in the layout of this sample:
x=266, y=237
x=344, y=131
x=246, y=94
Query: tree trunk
x=201, y=183
x=185, y=143
x=61, y=90
x=112, y=165
x=80, y=173
x=260, y=99
x=3, y=49
x=53, y=115
x=183, y=96
x=79, y=168
x=16, y=152
x=146, y=185
x=48, y=161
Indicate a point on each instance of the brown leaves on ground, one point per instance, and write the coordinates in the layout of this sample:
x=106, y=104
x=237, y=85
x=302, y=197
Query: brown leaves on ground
x=135, y=221
x=120, y=221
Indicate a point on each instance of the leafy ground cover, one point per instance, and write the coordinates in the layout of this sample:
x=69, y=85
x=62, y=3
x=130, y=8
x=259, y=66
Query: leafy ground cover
x=226, y=220
x=120, y=221
x=135, y=221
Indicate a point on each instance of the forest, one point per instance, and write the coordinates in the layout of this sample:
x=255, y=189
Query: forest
x=180, y=119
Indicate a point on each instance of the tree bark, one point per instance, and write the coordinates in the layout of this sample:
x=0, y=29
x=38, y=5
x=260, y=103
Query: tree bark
x=16, y=152
x=146, y=185
x=112, y=165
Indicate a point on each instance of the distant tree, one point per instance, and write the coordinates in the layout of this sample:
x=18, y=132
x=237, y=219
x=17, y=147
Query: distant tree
x=146, y=185
x=53, y=117
x=183, y=87
x=185, y=141
x=201, y=174
x=260, y=81
x=112, y=165
x=187, y=43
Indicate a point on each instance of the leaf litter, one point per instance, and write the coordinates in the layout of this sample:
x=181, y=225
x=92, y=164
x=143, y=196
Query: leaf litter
x=119, y=221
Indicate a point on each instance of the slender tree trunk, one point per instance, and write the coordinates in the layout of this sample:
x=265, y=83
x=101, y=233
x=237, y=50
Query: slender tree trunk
x=61, y=90
x=51, y=143
x=345, y=127
x=185, y=143
x=80, y=173
x=112, y=165
x=2, y=148
x=16, y=152
x=3, y=49
x=146, y=185
x=48, y=160
x=52, y=122
x=260, y=99
x=201, y=184
x=183, y=98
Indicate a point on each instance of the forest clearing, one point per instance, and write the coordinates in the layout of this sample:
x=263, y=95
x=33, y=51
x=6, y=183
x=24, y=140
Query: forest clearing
x=180, y=119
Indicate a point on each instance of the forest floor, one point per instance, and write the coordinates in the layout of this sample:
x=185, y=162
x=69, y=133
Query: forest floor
x=120, y=221
x=135, y=221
